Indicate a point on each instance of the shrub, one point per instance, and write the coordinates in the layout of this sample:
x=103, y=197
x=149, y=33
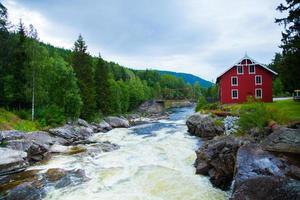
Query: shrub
x=212, y=106
x=257, y=115
x=201, y=103
x=51, y=116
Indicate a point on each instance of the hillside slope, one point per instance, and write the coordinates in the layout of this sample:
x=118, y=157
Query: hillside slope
x=189, y=78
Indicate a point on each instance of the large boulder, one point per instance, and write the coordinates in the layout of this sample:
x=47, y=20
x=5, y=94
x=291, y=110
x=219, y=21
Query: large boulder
x=117, y=122
x=72, y=133
x=104, y=126
x=12, y=161
x=11, y=135
x=268, y=187
x=152, y=107
x=253, y=161
x=35, y=151
x=216, y=158
x=261, y=174
x=36, y=144
x=41, y=137
x=204, y=126
x=285, y=140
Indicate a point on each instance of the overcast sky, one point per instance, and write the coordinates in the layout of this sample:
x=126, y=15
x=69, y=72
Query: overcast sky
x=202, y=37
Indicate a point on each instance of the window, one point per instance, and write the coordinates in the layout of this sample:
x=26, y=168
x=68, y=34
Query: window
x=234, y=81
x=234, y=94
x=258, y=93
x=258, y=80
x=240, y=69
x=251, y=69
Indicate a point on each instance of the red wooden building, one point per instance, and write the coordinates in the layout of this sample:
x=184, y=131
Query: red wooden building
x=246, y=78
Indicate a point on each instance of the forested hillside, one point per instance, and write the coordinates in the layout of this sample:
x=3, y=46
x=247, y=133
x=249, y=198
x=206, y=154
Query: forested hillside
x=55, y=84
x=189, y=78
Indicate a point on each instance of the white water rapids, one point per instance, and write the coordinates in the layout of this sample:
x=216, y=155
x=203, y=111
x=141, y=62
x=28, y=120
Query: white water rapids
x=154, y=162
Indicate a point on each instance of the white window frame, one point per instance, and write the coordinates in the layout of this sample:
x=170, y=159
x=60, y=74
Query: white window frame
x=261, y=92
x=237, y=94
x=261, y=80
x=237, y=69
x=237, y=81
x=250, y=67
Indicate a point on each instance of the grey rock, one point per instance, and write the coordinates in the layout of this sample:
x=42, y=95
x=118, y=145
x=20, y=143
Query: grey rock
x=72, y=133
x=204, y=126
x=105, y=126
x=253, y=161
x=83, y=123
x=12, y=161
x=216, y=158
x=11, y=135
x=41, y=137
x=283, y=140
x=268, y=187
x=35, y=151
x=117, y=122
x=34, y=185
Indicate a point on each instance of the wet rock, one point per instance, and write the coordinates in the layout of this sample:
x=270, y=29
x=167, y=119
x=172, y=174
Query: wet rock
x=12, y=161
x=216, y=158
x=268, y=187
x=152, y=107
x=117, y=122
x=107, y=146
x=100, y=147
x=283, y=140
x=36, y=144
x=35, y=151
x=204, y=126
x=33, y=184
x=56, y=148
x=61, y=178
x=253, y=161
x=72, y=133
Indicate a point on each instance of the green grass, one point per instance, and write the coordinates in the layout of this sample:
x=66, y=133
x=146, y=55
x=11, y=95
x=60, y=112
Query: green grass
x=10, y=121
x=286, y=110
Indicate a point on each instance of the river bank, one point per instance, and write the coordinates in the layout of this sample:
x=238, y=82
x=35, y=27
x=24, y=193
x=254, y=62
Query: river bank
x=260, y=164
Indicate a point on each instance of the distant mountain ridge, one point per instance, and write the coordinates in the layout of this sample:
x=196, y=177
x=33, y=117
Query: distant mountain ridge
x=189, y=78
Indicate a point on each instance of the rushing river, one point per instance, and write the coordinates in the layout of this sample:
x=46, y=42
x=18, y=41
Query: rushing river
x=155, y=161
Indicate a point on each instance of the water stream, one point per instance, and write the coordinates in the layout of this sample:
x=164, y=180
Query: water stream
x=155, y=161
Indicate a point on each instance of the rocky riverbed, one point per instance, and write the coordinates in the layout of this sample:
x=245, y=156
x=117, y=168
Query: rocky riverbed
x=150, y=159
x=261, y=164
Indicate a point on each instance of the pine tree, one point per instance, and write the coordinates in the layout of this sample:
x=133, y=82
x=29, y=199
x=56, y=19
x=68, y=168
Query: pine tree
x=290, y=71
x=82, y=65
x=102, y=86
x=19, y=70
x=3, y=50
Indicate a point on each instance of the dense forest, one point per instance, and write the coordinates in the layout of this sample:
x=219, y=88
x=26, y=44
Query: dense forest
x=52, y=84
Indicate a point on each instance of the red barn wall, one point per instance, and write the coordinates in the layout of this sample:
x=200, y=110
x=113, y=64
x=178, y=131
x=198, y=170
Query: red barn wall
x=246, y=85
